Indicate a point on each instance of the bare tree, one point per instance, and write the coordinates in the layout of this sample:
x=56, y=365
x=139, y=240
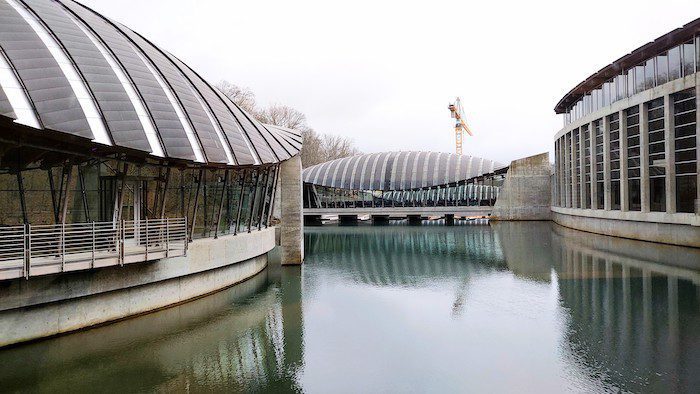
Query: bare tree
x=244, y=97
x=282, y=115
x=321, y=148
x=316, y=148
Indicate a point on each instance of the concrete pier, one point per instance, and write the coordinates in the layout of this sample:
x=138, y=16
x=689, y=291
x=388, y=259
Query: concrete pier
x=291, y=226
x=415, y=220
x=347, y=219
x=312, y=220
x=526, y=191
x=380, y=219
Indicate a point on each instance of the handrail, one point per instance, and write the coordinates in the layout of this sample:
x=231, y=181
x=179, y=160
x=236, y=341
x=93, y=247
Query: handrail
x=33, y=250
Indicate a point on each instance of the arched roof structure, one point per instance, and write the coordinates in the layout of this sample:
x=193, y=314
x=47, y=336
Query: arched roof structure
x=398, y=170
x=64, y=68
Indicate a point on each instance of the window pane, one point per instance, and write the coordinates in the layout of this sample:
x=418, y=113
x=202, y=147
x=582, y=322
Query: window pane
x=630, y=82
x=649, y=74
x=661, y=69
x=674, y=63
x=639, y=79
x=689, y=58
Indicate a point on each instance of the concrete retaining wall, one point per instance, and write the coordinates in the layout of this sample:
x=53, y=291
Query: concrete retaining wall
x=667, y=233
x=52, y=305
x=526, y=191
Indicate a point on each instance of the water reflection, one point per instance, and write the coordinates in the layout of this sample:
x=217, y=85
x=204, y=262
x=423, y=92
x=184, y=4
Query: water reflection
x=230, y=341
x=634, y=309
x=519, y=307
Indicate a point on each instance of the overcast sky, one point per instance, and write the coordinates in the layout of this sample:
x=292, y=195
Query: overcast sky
x=383, y=72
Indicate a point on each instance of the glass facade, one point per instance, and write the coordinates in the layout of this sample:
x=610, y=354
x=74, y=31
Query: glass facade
x=615, y=191
x=679, y=61
x=586, y=149
x=649, y=156
x=657, y=155
x=685, y=149
x=599, y=164
x=576, y=164
x=634, y=190
x=640, y=158
x=482, y=192
x=206, y=197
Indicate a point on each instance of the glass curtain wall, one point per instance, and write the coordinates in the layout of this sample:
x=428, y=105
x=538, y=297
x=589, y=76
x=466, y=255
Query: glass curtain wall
x=680, y=61
x=615, y=191
x=657, y=155
x=599, y=164
x=586, y=134
x=577, y=165
x=633, y=159
x=685, y=144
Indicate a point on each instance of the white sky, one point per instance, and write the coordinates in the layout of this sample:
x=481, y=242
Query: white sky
x=383, y=72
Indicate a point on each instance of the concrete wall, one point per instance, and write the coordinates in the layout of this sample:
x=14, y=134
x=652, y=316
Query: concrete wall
x=526, y=191
x=667, y=233
x=46, y=306
x=291, y=225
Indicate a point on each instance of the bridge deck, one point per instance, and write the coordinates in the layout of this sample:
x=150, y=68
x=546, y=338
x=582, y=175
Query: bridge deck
x=403, y=211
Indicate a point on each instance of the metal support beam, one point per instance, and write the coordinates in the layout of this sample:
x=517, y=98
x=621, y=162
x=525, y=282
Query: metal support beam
x=66, y=195
x=196, y=204
x=252, y=201
x=163, y=197
x=221, y=205
x=261, y=212
x=22, y=201
x=54, y=201
x=240, y=203
x=274, y=195
x=121, y=192
x=83, y=192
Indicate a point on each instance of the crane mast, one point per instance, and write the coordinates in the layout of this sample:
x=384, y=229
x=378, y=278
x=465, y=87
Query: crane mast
x=461, y=127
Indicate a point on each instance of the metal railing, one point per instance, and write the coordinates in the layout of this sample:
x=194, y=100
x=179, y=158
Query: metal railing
x=32, y=250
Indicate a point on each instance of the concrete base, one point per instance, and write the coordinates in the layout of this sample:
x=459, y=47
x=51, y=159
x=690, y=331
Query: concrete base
x=526, y=192
x=312, y=220
x=415, y=220
x=380, y=219
x=667, y=233
x=347, y=219
x=52, y=305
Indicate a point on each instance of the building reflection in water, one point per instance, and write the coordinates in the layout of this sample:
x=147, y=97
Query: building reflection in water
x=404, y=255
x=634, y=308
x=234, y=340
x=623, y=315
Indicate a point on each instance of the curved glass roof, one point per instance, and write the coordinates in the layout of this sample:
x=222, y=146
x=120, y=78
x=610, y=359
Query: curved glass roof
x=398, y=170
x=65, y=68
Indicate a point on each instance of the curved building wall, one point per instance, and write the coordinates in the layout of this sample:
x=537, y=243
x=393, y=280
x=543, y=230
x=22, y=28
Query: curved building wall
x=41, y=308
x=67, y=69
x=626, y=161
x=398, y=170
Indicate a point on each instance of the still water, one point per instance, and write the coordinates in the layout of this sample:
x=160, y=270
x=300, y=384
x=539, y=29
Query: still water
x=509, y=307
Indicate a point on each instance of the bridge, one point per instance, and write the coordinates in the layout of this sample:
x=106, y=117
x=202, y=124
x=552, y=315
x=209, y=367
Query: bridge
x=314, y=216
x=398, y=185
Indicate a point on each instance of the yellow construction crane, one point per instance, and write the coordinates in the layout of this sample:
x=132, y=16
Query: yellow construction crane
x=461, y=126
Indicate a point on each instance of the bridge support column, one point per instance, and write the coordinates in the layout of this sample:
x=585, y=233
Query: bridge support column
x=415, y=220
x=347, y=219
x=291, y=223
x=449, y=219
x=312, y=220
x=380, y=219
